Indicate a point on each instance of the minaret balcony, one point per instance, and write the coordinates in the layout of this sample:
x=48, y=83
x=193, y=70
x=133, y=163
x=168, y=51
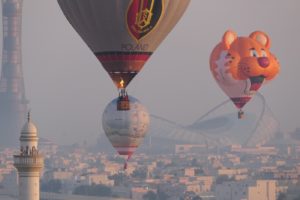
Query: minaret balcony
x=27, y=161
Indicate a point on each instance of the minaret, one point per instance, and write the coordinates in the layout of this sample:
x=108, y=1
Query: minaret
x=13, y=103
x=29, y=163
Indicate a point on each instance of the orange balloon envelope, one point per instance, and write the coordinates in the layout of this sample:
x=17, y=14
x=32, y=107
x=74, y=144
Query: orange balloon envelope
x=240, y=65
x=123, y=34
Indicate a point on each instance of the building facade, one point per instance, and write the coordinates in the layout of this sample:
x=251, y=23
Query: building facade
x=247, y=190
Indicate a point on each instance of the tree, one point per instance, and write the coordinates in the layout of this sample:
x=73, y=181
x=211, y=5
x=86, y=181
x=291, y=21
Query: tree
x=150, y=196
x=51, y=186
x=282, y=196
x=297, y=198
x=196, y=198
x=199, y=171
x=116, y=159
x=119, y=179
x=93, y=190
x=194, y=162
x=190, y=195
x=162, y=195
x=160, y=164
x=140, y=173
x=223, y=178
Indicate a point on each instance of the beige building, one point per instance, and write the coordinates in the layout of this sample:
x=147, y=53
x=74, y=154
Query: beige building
x=188, y=148
x=232, y=172
x=112, y=168
x=259, y=150
x=247, y=190
x=97, y=179
x=189, y=171
x=137, y=193
x=264, y=190
x=206, y=183
x=58, y=174
x=193, y=187
x=237, y=174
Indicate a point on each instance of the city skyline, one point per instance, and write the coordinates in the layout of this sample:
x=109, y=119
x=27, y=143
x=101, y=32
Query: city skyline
x=69, y=89
x=196, y=146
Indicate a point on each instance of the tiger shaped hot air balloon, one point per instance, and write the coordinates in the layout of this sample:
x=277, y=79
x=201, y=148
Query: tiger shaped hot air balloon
x=241, y=65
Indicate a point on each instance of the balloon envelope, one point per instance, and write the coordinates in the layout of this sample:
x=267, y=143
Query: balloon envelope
x=123, y=34
x=240, y=65
x=125, y=129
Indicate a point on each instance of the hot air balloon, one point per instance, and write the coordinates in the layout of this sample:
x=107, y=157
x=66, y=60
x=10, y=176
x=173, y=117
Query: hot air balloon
x=125, y=129
x=241, y=65
x=123, y=34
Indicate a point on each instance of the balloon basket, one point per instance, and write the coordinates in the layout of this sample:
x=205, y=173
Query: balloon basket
x=123, y=100
x=123, y=103
x=126, y=163
x=241, y=114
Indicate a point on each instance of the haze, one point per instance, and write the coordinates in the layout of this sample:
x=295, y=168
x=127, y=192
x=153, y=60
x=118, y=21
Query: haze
x=68, y=89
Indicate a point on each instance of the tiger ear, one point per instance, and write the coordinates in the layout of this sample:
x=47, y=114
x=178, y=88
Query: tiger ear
x=228, y=38
x=262, y=38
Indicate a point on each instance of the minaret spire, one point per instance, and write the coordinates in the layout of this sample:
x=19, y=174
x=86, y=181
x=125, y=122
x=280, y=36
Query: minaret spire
x=29, y=162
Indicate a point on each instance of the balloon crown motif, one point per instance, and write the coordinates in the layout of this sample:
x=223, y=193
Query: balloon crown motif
x=143, y=16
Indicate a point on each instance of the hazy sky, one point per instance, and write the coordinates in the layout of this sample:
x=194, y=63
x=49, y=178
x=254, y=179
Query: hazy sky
x=68, y=88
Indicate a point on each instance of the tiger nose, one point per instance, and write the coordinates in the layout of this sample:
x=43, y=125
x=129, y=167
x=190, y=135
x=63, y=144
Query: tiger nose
x=264, y=62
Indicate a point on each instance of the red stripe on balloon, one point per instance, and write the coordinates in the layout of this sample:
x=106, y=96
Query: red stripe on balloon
x=255, y=86
x=125, y=150
x=125, y=146
x=240, y=102
x=125, y=153
x=113, y=57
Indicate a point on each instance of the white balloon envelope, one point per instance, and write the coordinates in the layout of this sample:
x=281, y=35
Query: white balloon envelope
x=125, y=129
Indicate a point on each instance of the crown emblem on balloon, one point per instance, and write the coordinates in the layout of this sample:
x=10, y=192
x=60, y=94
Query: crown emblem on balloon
x=143, y=16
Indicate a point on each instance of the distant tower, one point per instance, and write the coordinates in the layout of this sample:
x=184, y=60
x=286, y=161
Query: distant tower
x=13, y=103
x=29, y=163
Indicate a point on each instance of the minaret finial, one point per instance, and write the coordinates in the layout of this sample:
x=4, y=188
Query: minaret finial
x=28, y=116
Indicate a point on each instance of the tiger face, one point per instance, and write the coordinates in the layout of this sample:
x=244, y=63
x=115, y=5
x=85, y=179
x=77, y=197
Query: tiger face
x=246, y=60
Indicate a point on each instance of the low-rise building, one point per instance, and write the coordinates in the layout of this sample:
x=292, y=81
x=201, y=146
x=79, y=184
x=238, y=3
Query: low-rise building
x=247, y=190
